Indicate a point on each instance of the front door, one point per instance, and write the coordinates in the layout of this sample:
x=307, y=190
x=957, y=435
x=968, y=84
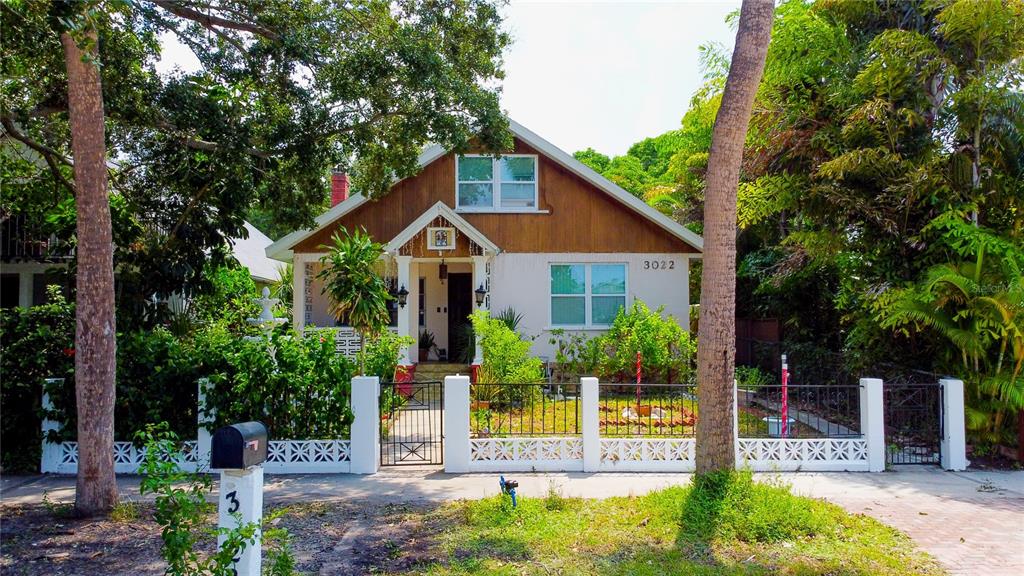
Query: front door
x=460, y=306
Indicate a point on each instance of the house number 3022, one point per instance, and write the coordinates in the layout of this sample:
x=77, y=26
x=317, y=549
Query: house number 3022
x=659, y=264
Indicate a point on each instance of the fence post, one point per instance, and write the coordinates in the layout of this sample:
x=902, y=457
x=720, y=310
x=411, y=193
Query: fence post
x=203, y=438
x=365, y=435
x=954, y=436
x=50, y=459
x=872, y=422
x=456, y=424
x=590, y=395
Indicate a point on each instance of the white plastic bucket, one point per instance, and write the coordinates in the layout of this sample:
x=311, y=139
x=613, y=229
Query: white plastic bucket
x=775, y=426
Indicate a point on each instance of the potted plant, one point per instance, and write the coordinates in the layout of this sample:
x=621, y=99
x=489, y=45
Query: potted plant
x=426, y=344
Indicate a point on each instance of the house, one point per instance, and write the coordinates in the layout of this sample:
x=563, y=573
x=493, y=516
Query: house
x=30, y=260
x=534, y=230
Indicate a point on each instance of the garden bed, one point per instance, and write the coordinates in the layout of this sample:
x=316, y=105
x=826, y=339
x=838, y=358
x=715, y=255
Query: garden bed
x=618, y=416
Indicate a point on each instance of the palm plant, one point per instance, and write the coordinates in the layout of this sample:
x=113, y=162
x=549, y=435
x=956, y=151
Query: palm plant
x=978, y=306
x=355, y=289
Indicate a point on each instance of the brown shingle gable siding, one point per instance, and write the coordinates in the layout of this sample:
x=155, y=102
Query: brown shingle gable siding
x=580, y=218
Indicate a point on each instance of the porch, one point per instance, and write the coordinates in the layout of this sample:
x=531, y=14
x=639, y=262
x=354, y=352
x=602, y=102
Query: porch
x=438, y=271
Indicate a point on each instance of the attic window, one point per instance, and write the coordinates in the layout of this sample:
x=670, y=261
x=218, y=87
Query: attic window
x=486, y=183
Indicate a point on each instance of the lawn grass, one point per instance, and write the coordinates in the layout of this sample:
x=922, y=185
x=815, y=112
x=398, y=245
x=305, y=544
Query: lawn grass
x=728, y=525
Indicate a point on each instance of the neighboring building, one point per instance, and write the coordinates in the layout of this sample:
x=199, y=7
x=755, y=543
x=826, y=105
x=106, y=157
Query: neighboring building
x=251, y=252
x=534, y=230
x=29, y=260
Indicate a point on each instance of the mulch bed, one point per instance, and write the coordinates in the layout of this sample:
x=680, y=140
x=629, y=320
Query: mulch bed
x=47, y=541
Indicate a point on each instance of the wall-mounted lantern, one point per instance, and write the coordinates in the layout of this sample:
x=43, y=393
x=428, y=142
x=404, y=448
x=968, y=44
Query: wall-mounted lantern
x=403, y=296
x=480, y=293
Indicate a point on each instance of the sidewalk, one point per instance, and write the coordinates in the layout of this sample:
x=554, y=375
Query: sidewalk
x=973, y=522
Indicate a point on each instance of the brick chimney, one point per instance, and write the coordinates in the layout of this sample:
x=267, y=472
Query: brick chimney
x=339, y=188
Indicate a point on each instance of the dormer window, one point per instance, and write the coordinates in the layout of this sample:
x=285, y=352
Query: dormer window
x=489, y=184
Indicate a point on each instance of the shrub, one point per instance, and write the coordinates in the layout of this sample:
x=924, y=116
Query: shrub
x=752, y=378
x=183, y=510
x=297, y=385
x=36, y=344
x=380, y=357
x=576, y=355
x=506, y=356
x=667, y=351
x=156, y=382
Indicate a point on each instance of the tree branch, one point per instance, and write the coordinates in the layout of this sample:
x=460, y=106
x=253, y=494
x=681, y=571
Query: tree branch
x=210, y=21
x=43, y=149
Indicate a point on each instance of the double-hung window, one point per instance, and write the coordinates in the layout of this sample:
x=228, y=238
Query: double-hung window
x=486, y=183
x=587, y=294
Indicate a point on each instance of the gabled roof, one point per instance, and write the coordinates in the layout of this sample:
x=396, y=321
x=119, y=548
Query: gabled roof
x=251, y=253
x=443, y=210
x=282, y=249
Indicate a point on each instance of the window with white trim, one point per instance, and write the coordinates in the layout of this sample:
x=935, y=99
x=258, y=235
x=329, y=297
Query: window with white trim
x=587, y=294
x=487, y=183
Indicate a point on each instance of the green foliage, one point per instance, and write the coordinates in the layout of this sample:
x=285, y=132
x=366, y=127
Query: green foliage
x=288, y=91
x=978, y=307
x=506, y=356
x=576, y=355
x=668, y=352
x=594, y=159
x=297, y=385
x=36, y=344
x=752, y=378
x=380, y=357
x=228, y=302
x=730, y=505
x=183, y=510
x=426, y=340
x=156, y=382
x=510, y=318
x=351, y=282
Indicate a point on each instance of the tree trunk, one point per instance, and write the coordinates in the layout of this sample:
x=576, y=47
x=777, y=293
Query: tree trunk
x=94, y=326
x=716, y=350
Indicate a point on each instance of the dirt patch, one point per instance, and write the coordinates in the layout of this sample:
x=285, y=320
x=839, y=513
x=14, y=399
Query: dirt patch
x=39, y=540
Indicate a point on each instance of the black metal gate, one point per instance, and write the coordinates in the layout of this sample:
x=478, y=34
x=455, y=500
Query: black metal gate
x=411, y=416
x=913, y=423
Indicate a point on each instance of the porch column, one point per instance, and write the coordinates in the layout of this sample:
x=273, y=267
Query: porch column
x=404, y=324
x=480, y=279
x=298, y=292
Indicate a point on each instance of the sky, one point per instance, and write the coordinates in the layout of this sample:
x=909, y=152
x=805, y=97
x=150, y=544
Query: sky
x=607, y=74
x=595, y=73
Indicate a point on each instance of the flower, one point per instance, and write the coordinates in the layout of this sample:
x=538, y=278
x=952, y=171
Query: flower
x=69, y=352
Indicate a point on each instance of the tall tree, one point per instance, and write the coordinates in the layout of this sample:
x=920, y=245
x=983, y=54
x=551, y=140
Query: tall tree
x=279, y=92
x=716, y=350
x=96, y=489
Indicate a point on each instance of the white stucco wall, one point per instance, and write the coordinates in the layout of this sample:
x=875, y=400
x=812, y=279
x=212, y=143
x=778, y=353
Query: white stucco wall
x=522, y=281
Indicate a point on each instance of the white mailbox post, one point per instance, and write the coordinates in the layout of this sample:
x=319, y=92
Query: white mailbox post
x=239, y=451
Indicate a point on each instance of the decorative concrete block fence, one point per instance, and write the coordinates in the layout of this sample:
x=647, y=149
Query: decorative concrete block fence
x=593, y=439
x=360, y=454
x=840, y=447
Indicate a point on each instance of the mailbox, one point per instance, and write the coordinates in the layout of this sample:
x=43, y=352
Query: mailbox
x=239, y=446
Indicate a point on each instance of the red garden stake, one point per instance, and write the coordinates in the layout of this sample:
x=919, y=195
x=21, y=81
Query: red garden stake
x=638, y=359
x=785, y=397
